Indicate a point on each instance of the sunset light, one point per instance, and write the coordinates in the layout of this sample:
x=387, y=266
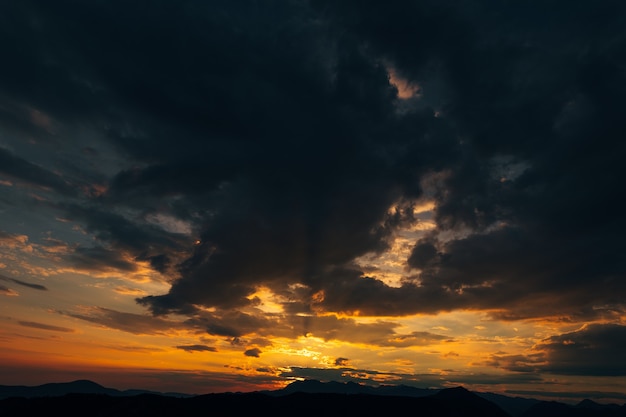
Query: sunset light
x=233, y=196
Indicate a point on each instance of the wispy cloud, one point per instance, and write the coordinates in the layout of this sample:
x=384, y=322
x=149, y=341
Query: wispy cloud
x=43, y=326
x=128, y=322
x=24, y=283
x=8, y=291
x=197, y=348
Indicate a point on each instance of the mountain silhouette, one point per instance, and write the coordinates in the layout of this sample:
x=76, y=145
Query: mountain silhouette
x=590, y=404
x=314, y=386
x=585, y=408
x=304, y=398
x=75, y=387
x=468, y=403
x=317, y=387
x=515, y=406
x=56, y=389
x=301, y=404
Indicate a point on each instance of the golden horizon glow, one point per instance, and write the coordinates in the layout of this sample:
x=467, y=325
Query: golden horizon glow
x=68, y=335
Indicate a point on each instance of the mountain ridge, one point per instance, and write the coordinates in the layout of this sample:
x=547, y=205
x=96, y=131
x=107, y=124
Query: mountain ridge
x=514, y=406
x=79, y=386
x=448, y=398
x=306, y=404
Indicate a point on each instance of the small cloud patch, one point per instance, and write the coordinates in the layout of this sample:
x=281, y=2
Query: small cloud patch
x=254, y=352
x=196, y=348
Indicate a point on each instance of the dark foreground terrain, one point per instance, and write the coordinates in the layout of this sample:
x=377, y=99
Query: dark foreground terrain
x=299, y=404
x=454, y=402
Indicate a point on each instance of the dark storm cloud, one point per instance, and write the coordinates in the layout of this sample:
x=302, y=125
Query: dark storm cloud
x=130, y=232
x=595, y=350
x=100, y=259
x=271, y=129
x=271, y=151
x=129, y=238
x=535, y=93
x=21, y=169
x=518, y=269
x=24, y=283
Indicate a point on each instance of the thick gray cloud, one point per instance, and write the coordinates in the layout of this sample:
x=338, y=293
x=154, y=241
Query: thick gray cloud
x=21, y=169
x=594, y=350
x=239, y=144
x=100, y=259
x=535, y=96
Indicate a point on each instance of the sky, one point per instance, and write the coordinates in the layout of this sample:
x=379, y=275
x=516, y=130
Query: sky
x=209, y=196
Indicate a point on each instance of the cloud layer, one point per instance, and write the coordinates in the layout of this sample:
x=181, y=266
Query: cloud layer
x=230, y=147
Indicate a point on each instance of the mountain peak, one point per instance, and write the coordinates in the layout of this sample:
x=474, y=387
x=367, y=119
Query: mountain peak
x=592, y=405
x=79, y=386
x=315, y=386
x=460, y=388
x=455, y=392
x=587, y=403
x=83, y=383
x=472, y=401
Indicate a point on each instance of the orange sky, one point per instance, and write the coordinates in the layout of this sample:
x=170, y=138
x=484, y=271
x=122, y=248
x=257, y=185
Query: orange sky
x=88, y=326
x=230, y=196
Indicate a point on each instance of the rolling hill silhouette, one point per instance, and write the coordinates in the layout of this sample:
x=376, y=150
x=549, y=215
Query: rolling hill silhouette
x=585, y=408
x=299, y=403
x=514, y=406
x=304, y=398
x=80, y=386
